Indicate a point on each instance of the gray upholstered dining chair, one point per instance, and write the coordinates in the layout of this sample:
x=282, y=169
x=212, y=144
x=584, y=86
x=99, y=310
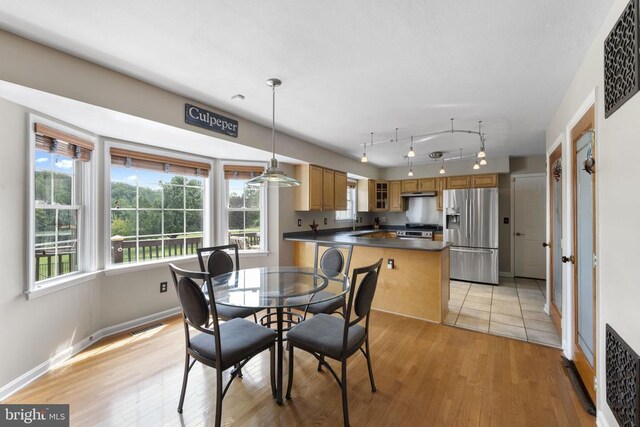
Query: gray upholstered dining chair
x=220, y=346
x=218, y=262
x=330, y=336
x=331, y=264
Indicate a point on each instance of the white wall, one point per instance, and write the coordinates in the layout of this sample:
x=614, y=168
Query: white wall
x=617, y=201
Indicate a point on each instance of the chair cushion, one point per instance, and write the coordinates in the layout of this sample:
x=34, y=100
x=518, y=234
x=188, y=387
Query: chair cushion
x=323, y=334
x=239, y=339
x=226, y=312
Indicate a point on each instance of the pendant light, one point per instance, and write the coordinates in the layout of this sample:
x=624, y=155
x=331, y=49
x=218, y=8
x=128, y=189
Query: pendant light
x=410, y=169
x=364, y=151
x=411, y=153
x=273, y=176
x=481, y=153
x=483, y=161
x=442, y=171
x=476, y=165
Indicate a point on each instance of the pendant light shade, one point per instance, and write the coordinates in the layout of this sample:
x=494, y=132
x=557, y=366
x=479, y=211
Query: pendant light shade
x=273, y=176
x=483, y=161
x=411, y=153
x=476, y=165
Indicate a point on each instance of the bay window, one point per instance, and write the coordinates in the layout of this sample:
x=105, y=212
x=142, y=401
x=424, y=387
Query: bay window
x=244, y=217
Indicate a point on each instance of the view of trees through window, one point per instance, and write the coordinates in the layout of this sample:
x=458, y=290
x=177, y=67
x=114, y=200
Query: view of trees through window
x=56, y=216
x=154, y=215
x=243, y=207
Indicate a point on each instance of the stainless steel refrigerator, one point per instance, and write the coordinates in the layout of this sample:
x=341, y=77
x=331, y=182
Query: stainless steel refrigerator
x=471, y=226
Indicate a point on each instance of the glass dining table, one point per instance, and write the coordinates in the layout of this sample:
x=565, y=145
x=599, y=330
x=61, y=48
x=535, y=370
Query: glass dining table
x=273, y=288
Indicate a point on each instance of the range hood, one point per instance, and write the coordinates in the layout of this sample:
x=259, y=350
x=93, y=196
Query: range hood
x=419, y=194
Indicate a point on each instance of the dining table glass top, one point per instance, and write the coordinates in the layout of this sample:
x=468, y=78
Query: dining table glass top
x=273, y=287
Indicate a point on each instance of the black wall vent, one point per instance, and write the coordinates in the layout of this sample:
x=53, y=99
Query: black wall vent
x=145, y=329
x=623, y=380
x=621, y=61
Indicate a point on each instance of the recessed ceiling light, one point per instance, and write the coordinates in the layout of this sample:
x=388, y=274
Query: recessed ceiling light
x=238, y=96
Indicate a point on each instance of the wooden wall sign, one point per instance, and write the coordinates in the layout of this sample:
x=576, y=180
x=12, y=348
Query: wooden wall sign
x=209, y=120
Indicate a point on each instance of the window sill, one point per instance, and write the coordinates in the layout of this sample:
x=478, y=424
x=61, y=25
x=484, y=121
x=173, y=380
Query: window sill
x=60, y=284
x=253, y=254
x=114, y=270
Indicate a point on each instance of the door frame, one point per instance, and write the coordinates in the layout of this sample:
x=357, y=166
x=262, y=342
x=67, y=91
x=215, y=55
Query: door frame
x=586, y=122
x=512, y=215
x=550, y=308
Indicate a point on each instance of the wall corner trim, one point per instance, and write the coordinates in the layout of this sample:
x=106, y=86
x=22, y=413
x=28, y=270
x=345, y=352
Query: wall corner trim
x=35, y=373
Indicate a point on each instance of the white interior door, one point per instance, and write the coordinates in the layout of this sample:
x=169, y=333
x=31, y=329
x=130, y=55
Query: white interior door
x=529, y=226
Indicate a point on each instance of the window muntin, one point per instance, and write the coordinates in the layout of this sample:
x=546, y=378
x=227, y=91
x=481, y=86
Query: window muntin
x=350, y=213
x=155, y=215
x=243, y=215
x=57, y=215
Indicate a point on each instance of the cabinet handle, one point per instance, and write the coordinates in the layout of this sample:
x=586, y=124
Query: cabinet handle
x=570, y=258
x=546, y=245
x=519, y=234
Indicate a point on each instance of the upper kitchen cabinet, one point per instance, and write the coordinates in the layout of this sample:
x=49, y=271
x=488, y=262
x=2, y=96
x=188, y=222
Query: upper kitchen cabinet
x=456, y=182
x=339, y=191
x=328, y=189
x=366, y=195
x=440, y=186
x=396, y=202
x=427, y=184
x=484, y=181
x=409, y=185
x=381, y=196
x=317, y=189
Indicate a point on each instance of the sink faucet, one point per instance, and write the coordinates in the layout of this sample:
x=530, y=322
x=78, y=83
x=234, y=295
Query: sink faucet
x=353, y=221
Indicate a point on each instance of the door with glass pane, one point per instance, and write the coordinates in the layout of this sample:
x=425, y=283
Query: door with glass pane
x=584, y=265
x=555, y=243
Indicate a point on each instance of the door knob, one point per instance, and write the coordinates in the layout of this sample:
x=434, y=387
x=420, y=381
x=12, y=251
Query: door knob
x=545, y=244
x=519, y=234
x=569, y=258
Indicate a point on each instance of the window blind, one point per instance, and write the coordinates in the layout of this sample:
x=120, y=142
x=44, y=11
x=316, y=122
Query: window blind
x=53, y=140
x=152, y=162
x=241, y=172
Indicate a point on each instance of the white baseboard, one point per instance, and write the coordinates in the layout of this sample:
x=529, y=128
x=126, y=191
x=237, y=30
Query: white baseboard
x=601, y=421
x=35, y=373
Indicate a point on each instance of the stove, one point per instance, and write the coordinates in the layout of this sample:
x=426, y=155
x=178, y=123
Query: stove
x=415, y=234
x=423, y=226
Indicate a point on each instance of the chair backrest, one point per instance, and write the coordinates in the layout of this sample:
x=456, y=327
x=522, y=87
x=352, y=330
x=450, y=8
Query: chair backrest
x=332, y=262
x=219, y=261
x=361, y=296
x=196, y=308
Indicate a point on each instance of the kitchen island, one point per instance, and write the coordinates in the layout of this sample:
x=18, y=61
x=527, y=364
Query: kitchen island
x=418, y=284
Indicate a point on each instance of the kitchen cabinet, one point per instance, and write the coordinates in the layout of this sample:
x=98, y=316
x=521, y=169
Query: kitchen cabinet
x=327, y=189
x=440, y=186
x=366, y=195
x=316, y=191
x=409, y=185
x=457, y=182
x=427, y=184
x=484, y=181
x=396, y=202
x=381, y=196
x=340, y=191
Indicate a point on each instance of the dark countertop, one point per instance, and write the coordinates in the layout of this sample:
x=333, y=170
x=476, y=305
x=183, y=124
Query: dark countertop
x=354, y=238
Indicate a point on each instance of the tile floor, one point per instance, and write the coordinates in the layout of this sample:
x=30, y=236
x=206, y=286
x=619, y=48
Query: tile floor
x=514, y=309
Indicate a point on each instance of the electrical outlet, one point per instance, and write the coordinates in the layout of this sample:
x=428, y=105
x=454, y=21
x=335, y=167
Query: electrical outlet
x=390, y=264
x=299, y=222
x=325, y=221
x=505, y=220
x=360, y=220
x=163, y=287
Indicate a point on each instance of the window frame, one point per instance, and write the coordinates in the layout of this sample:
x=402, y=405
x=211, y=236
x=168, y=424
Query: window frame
x=350, y=185
x=85, y=187
x=112, y=268
x=223, y=198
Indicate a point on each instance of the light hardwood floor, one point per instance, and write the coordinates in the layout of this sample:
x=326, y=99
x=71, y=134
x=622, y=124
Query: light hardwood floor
x=427, y=375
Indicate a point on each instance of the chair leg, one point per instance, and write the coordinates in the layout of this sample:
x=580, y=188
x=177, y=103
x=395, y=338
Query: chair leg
x=345, y=403
x=290, y=379
x=373, y=383
x=218, y=398
x=272, y=356
x=239, y=369
x=184, y=382
x=255, y=317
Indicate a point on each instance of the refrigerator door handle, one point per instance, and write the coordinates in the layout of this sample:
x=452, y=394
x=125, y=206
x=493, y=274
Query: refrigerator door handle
x=473, y=251
x=468, y=215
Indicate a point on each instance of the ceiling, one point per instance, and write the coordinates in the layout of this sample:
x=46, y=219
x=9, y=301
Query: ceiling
x=348, y=68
